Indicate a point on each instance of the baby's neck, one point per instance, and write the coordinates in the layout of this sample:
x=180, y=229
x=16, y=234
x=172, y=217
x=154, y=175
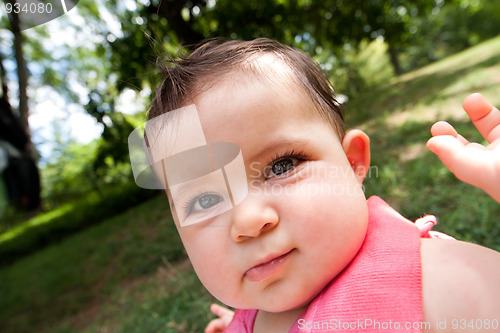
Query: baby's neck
x=276, y=321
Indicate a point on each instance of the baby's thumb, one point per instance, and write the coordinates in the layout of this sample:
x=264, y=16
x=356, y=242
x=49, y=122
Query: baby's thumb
x=446, y=147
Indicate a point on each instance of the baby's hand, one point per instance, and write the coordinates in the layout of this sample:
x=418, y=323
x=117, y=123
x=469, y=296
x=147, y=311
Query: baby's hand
x=472, y=163
x=219, y=324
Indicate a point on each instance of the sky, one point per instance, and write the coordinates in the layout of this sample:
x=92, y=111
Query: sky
x=47, y=108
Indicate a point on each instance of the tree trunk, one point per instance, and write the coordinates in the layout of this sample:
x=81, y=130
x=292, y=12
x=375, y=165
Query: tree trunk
x=25, y=173
x=393, y=55
x=22, y=75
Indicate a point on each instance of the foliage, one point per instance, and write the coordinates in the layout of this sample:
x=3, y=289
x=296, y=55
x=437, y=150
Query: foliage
x=70, y=176
x=112, y=158
x=76, y=169
x=369, y=66
x=456, y=26
x=415, y=32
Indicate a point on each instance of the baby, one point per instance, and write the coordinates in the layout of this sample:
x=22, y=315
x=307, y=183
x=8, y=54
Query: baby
x=265, y=188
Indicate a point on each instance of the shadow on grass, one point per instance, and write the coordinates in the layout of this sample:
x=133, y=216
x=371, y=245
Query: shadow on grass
x=403, y=94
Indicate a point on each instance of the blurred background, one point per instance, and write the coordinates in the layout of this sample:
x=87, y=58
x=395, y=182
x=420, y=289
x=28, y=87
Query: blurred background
x=83, y=249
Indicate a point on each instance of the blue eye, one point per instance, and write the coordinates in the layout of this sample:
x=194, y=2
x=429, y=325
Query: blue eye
x=284, y=163
x=203, y=202
x=282, y=166
x=208, y=200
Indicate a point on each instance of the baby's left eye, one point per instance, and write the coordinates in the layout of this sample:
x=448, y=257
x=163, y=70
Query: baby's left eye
x=204, y=202
x=281, y=167
x=209, y=200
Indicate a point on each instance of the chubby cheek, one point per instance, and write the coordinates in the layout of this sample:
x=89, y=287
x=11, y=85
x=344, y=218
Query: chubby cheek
x=212, y=259
x=331, y=227
x=336, y=224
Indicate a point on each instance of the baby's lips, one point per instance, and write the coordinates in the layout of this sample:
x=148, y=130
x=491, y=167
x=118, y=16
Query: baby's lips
x=266, y=269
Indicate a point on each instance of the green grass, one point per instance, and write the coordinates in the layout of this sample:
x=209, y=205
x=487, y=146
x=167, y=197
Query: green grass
x=50, y=227
x=130, y=274
x=122, y=274
x=398, y=116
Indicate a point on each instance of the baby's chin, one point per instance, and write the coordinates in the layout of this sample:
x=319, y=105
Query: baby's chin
x=287, y=307
x=276, y=303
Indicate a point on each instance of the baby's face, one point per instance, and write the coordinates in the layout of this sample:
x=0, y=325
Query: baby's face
x=305, y=214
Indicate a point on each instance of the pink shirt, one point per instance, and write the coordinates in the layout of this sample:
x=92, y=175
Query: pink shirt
x=379, y=291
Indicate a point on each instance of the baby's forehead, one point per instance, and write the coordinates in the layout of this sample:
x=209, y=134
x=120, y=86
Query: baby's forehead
x=273, y=70
x=269, y=62
x=268, y=66
x=264, y=83
x=267, y=69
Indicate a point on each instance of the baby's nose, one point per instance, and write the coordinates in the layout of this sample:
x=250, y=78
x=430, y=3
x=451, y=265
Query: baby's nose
x=252, y=218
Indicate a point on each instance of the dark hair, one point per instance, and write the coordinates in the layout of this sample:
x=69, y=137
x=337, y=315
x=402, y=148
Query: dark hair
x=184, y=78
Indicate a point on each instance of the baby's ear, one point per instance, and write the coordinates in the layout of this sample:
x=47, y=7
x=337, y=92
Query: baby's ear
x=356, y=145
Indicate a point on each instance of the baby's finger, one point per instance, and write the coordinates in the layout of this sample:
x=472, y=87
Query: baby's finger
x=444, y=128
x=485, y=117
x=215, y=326
x=446, y=147
x=468, y=163
x=220, y=311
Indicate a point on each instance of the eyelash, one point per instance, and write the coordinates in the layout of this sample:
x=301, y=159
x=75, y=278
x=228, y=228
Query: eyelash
x=187, y=205
x=300, y=156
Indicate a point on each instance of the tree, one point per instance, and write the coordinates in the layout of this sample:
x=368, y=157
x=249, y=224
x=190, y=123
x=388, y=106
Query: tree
x=308, y=24
x=22, y=74
x=21, y=175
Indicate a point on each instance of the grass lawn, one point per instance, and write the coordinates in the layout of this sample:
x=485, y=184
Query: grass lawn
x=130, y=273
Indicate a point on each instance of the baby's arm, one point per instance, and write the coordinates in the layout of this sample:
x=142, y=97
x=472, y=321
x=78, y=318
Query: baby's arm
x=460, y=287
x=472, y=163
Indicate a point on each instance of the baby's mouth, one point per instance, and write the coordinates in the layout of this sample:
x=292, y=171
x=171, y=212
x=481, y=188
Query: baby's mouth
x=268, y=268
